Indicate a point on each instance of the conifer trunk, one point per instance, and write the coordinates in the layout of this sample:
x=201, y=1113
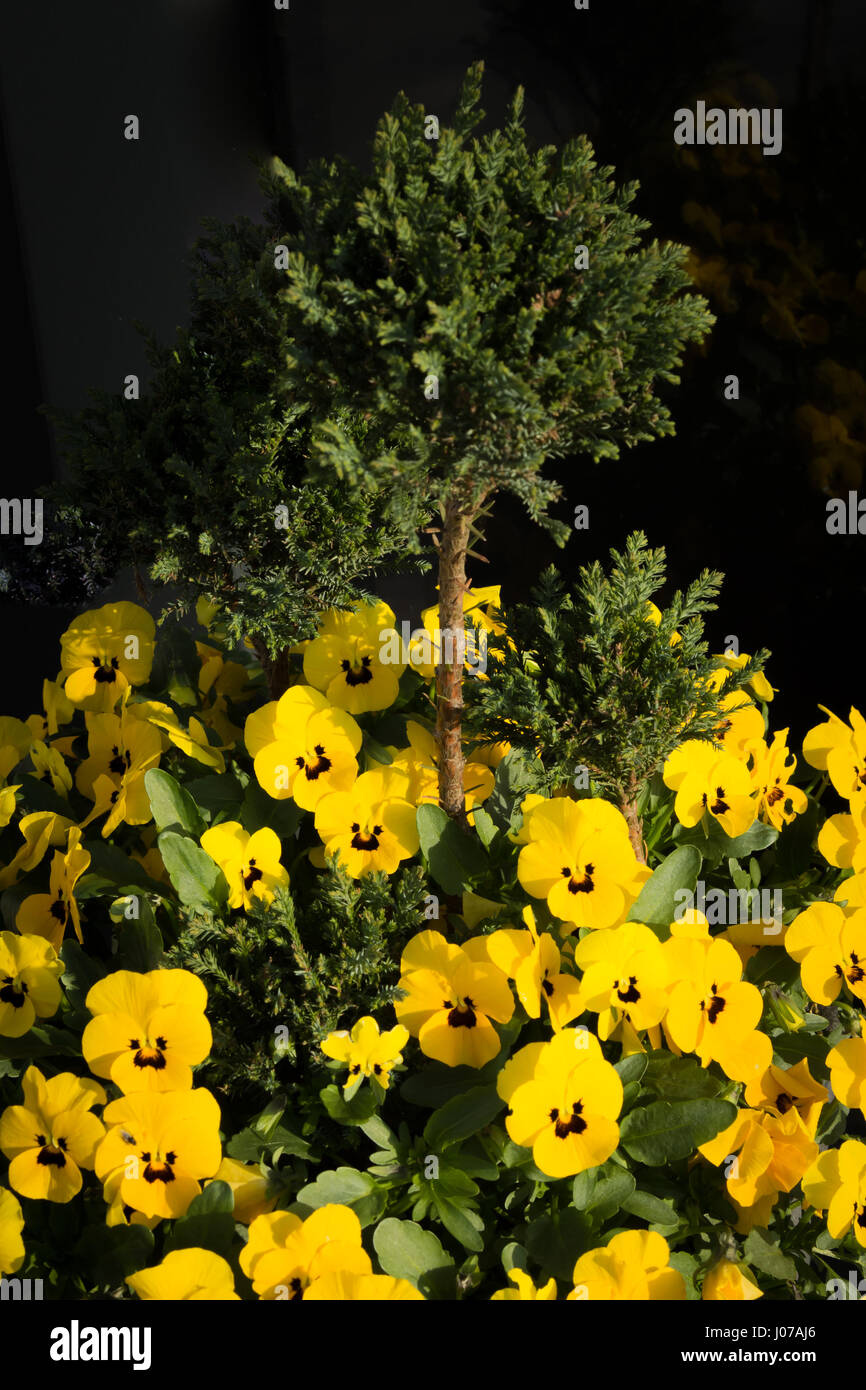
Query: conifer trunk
x=628, y=806
x=449, y=673
x=276, y=668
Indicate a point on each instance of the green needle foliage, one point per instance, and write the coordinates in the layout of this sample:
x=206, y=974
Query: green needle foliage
x=596, y=684
x=492, y=307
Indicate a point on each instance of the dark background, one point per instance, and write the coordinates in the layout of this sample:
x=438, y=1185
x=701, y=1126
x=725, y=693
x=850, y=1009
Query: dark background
x=97, y=229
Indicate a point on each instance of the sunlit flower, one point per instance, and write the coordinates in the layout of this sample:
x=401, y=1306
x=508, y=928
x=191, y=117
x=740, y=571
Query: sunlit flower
x=421, y=763
x=193, y=741
x=372, y=826
x=303, y=747
x=41, y=830
x=451, y=995
x=149, y=1030
x=840, y=751
x=847, y=1063
x=532, y=960
x=366, y=1051
x=580, y=859
x=757, y=683
x=709, y=782
x=284, y=1254
x=48, y=762
x=163, y=1143
x=121, y=749
x=727, y=1282
x=772, y=1152
x=192, y=1275
x=29, y=982
x=778, y=801
x=251, y=863
x=52, y=1136
x=634, y=1266
x=12, y=1250
x=15, y=741
x=712, y=1011
x=49, y=914
x=344, y=659
x=563, y=1100
x=104, y=651
x=830, y=947
x=781, y=1088
x=836, y=1183
x=625, y=980
x=350, y=1286
x=525, y=1291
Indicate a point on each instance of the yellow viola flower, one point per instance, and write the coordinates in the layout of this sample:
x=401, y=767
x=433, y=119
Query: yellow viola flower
x=842, y=842
x=219, y=682
x=564, y=1100
x=780, y=1089
x=366, y=1051
x=349, y=1286
x=528, y=806
x=634, y=1266
x=451, y=995
x=52, y=1136
x=302, y=747
x=773, y=1152
x=12, y=1250
x=41, y=830
x=193, y=741
x=712, y=1011
x=372, y=826
x=48, y=763
x=250, y=1189
x=344, y=659
x=525, y=1291
x=58, y=708
x=149, y=1030
x=840, y=751
x=29, y=982
x=251, y=863
x=727, y=1282
x=847, y=1063
x=7, y=804
x=119, y=746
x=284, y=1254
x=49, y=914
x=625, y=980
x=778, y=801
x=191, y=1275
x=420, y=761
x=15, y=741
x=532, y=960
x=104, y=652
x=117, y=1212
x=709, y=782
x=747, y=938
x=830, y=948
x=580, y=859
x=836, y=1183
x=162, y=1143
x=757, y=684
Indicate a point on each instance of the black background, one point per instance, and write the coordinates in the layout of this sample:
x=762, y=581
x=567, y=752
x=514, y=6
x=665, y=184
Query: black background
x=98, y=228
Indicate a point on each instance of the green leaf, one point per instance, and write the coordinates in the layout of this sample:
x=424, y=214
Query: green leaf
x=455, y=859
x=41, y=1041
x=216, y=1197
x=112, y=866
x=139, y=940
x=259, y=810
x=516, y=775
x=657, y=903
x=171, y=804
x=651, y=1209
x=485, y=826
x=462, y=1116
x=631, y=1068
x=460, y=1221
x=407, y=1251
x=762, y=1251
x=679, y=1078
x=602, y=1190
x=346, y=1187
x=219, y=793
x=557, y=1242
x=669, y=1130
x=348, y=1112
x=199, y=882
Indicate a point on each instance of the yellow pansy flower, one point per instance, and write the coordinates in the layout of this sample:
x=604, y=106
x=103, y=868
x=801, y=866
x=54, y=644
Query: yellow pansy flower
x=104, y=652
x=563, y=1100
x=344, y=659
x=285, y=1254
x=712, y=1011
x=580, y=859
x=709, y=782
x=758, y=683
x=840, y=751
x=52, y=1136
x=421, y=763
x=349, y=1286
x=250, y=1189
x=366, y=1051
x=149, y=1029
x=29, y=982
x=12, y=1250
x=451, y=995
x=625, y=980
x=162, y=1143
x=780, y=1089
x=532, y=960
x=830, y=947
x=372, y=826
x=836, y=1183
x=303, y=747
x=49, y=914
x=41, y=830
x=847, y=1063
x=727, y=1282
x=778, y=800
x=251, y=863
x=15, y=741
x=191, y=1275
x=525, y=1291
x=634, y=1266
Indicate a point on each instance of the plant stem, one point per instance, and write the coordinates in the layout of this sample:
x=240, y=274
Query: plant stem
x=449, y=672
x=628, y=806
x=276, y=668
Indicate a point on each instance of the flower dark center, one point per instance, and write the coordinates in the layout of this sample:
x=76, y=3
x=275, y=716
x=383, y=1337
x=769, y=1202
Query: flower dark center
x=312, y=770
x=355, y=676
x=629, y=995
x=120, y=762
x=365, y=839
x=9, y=994
x=51, y=1155
x=573, y=1125
x=104, y=674
x=715, y=1006
x=461, y=1015
x=582, y=885
x=252, y=875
